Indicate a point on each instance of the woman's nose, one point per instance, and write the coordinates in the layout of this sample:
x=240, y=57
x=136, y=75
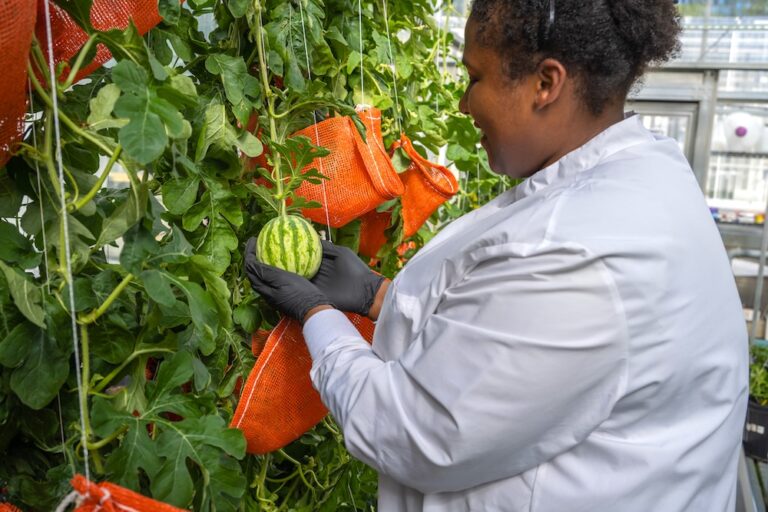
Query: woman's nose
x=464, y=102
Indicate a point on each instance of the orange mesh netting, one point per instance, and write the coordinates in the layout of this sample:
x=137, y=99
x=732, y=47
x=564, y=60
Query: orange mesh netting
x=7, y=507
x=107, y=497
x=278, y=403
x=17, y=21
x=427, y=186
x=68, y=37
x=372, y=237
x=361, y=175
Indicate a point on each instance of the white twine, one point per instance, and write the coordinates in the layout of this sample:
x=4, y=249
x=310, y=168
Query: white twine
x=67, y=253
x=314, y=117
x=398, y=119
x=362, y=53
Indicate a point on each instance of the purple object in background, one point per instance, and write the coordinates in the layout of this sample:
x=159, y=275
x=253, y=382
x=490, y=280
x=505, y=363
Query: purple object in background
x=741, y=131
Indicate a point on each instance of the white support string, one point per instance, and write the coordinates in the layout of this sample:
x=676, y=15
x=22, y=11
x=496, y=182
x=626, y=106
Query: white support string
x=398, y=118
x=317, y=131
x=67, y=252
x=39, y=191
x=362, y=53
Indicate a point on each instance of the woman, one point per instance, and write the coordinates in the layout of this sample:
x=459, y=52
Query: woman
x=576, y=344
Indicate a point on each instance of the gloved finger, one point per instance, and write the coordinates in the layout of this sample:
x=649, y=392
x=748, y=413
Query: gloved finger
x=330, y=250
x=250, y=250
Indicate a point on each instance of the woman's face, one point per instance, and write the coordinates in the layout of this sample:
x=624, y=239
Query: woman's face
x=503, y=109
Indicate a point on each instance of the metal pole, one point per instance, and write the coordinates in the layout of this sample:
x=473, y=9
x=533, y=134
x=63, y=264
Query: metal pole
x=757, y=303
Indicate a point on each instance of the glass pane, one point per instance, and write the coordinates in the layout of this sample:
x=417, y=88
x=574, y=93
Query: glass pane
x=743, y=81
x=737, y=182
x=724, y=30
x=675, y=126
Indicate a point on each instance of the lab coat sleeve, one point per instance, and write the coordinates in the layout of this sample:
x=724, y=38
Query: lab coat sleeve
x=522, y=359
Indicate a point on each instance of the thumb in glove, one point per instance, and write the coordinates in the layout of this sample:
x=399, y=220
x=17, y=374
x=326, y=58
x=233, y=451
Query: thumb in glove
x=287, y=292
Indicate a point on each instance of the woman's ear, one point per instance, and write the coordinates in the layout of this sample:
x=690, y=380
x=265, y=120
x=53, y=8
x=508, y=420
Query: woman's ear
x=551, y=76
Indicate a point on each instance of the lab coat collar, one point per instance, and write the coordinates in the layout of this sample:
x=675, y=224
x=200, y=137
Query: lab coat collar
x=615, y=138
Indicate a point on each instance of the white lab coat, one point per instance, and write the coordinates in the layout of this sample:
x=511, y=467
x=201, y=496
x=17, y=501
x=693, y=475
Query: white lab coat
x=575, y=345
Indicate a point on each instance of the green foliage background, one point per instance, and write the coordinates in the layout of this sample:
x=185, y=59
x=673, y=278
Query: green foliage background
x=164, y=332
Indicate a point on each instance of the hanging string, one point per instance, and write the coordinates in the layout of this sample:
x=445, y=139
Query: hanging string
x=398, y=119
x=314, y=118
x=362, y=91
x=45, y=242
x=65, y=221
x=362, y=53
x=39, y=190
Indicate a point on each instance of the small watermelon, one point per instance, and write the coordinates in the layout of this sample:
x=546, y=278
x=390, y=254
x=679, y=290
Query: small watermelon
x=290, y=243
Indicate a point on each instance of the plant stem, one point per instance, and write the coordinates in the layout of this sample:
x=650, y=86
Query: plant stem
x=79, y=62
x=111, y=437
x=97, y=186
x=103, y=383
x=85, y=381
x=63, y=117
x=269, y=95
x=96, y=313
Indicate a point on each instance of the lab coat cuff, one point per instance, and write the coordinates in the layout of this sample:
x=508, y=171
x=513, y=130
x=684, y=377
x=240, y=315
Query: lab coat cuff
x=324, y=327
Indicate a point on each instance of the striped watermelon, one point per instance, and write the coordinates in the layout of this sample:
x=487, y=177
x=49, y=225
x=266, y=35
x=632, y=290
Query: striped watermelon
x=290, y=243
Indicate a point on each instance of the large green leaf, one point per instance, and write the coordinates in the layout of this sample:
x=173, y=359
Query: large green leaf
x=44, y=369
x=26, y=295
x=125, y=216
x=15, y=248
x=179, y=195
x=144, y=137
x=158, y=287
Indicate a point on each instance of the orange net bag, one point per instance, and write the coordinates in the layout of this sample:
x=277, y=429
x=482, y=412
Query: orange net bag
x=7, y=507
x=427, y=186
x=361, y=175
x=68, y=37
x=107, y=497
x=17, y=22
x=278, y=403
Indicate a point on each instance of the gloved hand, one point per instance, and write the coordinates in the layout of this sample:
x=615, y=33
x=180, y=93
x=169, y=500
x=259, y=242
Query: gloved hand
x=346, y=280
x=287, y=292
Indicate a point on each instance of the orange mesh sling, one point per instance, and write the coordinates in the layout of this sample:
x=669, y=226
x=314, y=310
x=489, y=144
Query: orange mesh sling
x=17, y=22
x=68, y=37
x=7, y=507
x=361, y=175
x=107, y=497
x=278, y=403
x=427, y=186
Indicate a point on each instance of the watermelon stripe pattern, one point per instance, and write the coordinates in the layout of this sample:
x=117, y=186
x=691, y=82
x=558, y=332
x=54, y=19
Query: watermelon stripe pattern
x=290, y=243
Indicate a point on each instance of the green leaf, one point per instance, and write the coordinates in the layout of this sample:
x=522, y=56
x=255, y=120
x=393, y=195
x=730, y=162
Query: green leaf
x=172, y=373
x=15, y=248
x=249, y=144
x=138, y=247
x=102, y=106
x=15, y=347
x=170, y=10
x=158, y=287
x=238, y=8
x=179, y=195
x=136, y=451
x=125, y=216
x=202, y=309
x=233, y=76
x=247, y=316
x=26, y=295
x=39, y=378
x=144, y=137
x=10, y=197
x=129, y=77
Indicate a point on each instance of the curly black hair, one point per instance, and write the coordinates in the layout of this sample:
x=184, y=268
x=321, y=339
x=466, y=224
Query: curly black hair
x=606, y=44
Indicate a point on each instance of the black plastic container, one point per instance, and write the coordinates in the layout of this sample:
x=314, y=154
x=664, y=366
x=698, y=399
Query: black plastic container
x=756, y=431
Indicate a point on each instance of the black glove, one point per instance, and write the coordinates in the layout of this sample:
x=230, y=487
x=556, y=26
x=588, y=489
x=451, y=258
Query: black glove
x=287, y=292
x=346, y=280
